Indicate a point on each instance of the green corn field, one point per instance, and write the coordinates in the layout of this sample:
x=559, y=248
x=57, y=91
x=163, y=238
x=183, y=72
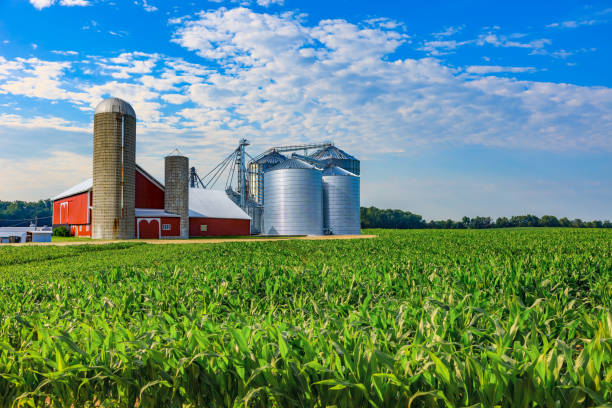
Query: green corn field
x=421, y=318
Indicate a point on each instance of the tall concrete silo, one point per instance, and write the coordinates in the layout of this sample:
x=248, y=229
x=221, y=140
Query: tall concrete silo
x=114, y=159
x=341, y=212
x=176, y=196
x=293, y=195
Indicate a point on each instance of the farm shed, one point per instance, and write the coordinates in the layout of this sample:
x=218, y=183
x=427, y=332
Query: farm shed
x=25, y=234
x=213, y=213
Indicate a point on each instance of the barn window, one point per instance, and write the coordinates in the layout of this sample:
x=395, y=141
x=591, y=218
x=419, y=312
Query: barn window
x=166, y=227
x=203, y=228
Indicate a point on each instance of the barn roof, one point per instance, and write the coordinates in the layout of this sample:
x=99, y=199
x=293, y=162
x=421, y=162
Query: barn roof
x=207, y=203
x=88, y=185
x=79, y=188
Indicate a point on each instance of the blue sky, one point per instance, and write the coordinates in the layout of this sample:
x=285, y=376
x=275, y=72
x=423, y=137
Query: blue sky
x=455, y=108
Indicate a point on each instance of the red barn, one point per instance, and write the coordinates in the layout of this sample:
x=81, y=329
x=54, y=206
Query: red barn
x=211, y=212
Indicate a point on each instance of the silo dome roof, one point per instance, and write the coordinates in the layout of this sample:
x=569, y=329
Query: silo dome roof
x=337, y=171
x=272, y=158
x=292, y=164
x=331, y=152
x=115, y=105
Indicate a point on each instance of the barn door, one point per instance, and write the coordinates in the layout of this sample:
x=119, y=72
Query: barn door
x=148, y=228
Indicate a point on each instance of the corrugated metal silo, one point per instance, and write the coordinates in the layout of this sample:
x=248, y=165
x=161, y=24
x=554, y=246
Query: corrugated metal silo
x=341, y=212
x=293, y=199
x=256, y=174
x=176, y=196
x=114, y=159
x=332, y=156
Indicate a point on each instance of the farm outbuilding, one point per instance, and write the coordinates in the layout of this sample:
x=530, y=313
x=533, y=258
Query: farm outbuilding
x=25, y=234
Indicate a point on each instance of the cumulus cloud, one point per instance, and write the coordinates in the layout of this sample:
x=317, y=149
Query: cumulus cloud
x=266, y=3
x=40, y=122
x=71, y=3
x=489, y=69
x=276, y=79
x=148, y=7
x=282, y=77
x=65, y=53
x=41, y=4
x=61, y=170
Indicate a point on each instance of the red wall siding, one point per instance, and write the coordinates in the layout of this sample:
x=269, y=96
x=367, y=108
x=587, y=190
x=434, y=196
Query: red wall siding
x=148, y=195
x=81, y=230
x=175, y=226
x=218, y=227
x=75, y=212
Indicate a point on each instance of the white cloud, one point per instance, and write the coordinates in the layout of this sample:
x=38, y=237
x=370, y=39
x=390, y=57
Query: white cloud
x=441, y=45
x=148, y=7
x=36, y=78
x=61, y=170
x=507, y=41
x=449, y=31
x=65, y=53
x=282, y=78
x=276, y=79
x=267, y=3
x=41, y=4
x=40, y=122
x=71, y=3
x=489, y=69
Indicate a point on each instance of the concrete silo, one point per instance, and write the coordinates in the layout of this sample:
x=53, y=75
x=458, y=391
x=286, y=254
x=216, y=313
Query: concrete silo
x=114, y=158
x=341, y=212
x=176, y=196
x=293, y=195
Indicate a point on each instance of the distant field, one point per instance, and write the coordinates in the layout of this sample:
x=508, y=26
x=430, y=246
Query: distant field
x=422, y=317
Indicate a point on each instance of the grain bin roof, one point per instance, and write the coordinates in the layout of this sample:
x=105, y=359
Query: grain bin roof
x=205, y=203
x=337, y=171
x=292, y=164
x=331, y=152
x=115, y=105
x=272, y=157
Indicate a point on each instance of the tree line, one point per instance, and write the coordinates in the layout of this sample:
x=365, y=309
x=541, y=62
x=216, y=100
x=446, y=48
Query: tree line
x=21, y=213
x=372, y=217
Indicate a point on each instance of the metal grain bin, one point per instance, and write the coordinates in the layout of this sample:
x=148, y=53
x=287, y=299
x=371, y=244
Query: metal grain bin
x=341, y=213
x=293, y=199
x=114, y=162
x=256, y=174
x=332, y=156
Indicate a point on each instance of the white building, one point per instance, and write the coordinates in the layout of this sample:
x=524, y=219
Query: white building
x=25, y=234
